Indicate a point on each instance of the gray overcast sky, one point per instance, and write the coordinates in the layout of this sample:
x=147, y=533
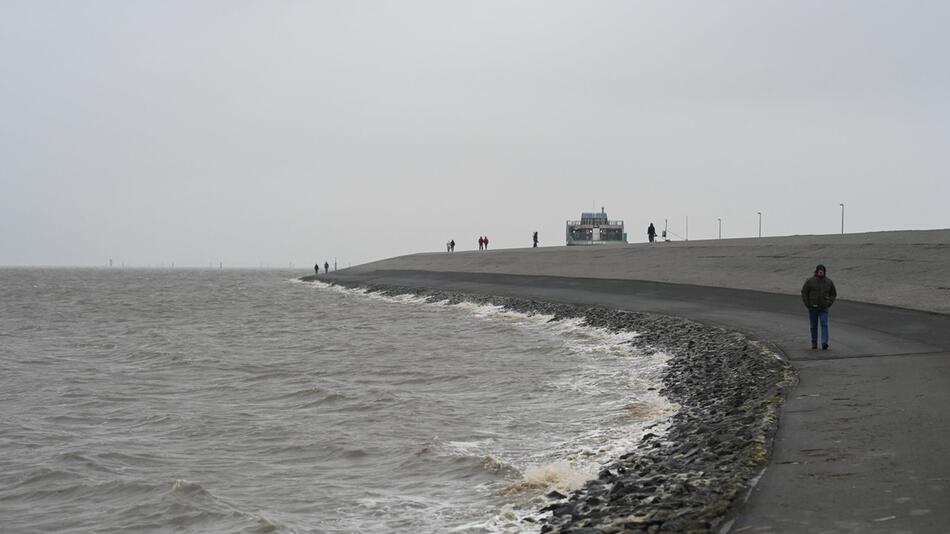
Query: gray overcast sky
x=154, y=132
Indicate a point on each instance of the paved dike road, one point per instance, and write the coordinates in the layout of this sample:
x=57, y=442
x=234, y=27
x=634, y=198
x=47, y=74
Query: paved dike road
x=863, y=443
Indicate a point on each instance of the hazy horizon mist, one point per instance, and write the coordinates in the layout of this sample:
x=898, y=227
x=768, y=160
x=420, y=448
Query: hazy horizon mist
x=251, y=132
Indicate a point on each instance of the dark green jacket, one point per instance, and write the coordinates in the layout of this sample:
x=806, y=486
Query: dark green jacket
x=819, y=292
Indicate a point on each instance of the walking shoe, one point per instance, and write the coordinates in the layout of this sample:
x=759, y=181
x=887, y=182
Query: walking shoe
x=814, y=345
x=824, y=346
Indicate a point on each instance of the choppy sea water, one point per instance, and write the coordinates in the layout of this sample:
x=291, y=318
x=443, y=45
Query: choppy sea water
x=245, y=401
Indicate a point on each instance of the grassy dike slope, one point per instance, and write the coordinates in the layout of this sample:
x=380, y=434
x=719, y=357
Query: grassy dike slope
x=907, y=269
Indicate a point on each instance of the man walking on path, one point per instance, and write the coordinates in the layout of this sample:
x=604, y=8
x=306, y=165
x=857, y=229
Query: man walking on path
x=651, y=232
x=535, y=240
x=316, y=268
x=819, y=294
x=326, y=267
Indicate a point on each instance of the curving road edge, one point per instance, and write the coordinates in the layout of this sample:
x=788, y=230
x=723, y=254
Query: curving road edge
x=863, y=443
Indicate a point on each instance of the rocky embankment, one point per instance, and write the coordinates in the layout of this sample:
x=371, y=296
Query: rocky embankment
x=690, y=478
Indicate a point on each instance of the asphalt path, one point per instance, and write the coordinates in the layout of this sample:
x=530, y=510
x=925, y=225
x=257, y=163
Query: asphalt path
x=863, y=443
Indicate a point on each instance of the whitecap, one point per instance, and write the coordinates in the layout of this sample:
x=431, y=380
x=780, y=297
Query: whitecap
x=608, y=362
x=558, y=476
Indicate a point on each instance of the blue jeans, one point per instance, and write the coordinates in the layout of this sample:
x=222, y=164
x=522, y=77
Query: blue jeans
x=816, y=315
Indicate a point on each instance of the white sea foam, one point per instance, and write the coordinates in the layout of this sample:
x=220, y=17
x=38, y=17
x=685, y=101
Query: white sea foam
x=558, y=476
x=405, y=298
x=566, y=466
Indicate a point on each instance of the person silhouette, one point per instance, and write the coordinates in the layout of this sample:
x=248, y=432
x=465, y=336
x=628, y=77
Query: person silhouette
x=818, y=294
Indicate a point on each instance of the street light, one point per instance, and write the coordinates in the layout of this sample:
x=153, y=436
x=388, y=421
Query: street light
x=720, y=227
x=842, y=218
x=760, y=223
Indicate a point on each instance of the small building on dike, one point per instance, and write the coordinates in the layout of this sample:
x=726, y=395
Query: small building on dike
x=595, y=229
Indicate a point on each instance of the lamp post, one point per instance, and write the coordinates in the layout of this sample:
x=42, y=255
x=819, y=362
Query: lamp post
x=720, y=227
x=760, y=223
x=842, y=218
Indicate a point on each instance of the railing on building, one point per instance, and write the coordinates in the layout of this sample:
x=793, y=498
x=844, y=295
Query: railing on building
x=595, y=229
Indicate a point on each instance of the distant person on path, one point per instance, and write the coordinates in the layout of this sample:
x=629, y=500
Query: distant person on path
x=452, y=246
x=316, y=268
x=535, y=238
x=819, y=294
x=448, y=247
x=651, y=232
x=481, y=243
x=326, y=267
x=486, y=242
